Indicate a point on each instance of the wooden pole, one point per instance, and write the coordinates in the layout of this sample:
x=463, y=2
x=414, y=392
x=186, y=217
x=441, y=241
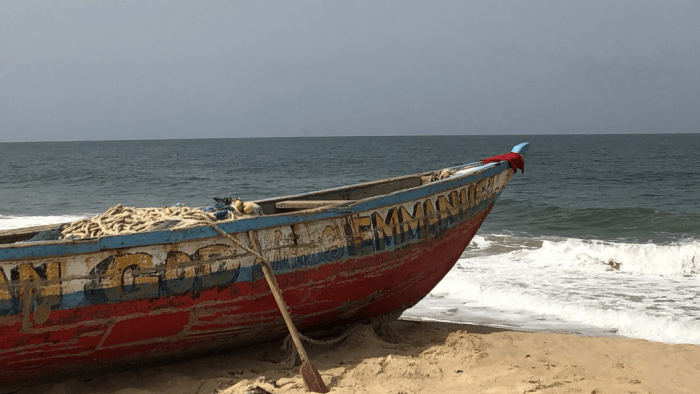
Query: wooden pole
x=277, y=293
x=309, y=373
x=311, y=376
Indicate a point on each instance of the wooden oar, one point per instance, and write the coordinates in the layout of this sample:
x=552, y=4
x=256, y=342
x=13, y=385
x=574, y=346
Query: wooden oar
x=312, y=378
x=309, y=373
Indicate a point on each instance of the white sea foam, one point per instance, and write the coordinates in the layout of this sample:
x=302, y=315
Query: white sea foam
x=574, y=285
x=13, y=222
x=480, y=243
x=556, y=284
x=678, y=259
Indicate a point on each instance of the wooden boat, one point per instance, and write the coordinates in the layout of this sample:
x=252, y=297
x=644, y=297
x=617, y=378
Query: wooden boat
x=340, y=256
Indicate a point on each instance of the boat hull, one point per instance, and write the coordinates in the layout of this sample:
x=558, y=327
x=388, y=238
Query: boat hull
x=108, y=301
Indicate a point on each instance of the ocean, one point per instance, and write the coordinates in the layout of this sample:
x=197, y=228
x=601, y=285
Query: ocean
x=599, y=236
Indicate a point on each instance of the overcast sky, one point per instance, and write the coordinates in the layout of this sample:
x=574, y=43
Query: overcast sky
x=105, y=70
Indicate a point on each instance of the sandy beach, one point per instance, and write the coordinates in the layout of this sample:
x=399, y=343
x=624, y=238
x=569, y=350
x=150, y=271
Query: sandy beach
x=420, y=357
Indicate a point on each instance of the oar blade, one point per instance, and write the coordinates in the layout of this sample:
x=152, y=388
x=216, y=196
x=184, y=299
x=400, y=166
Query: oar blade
x=312, y=378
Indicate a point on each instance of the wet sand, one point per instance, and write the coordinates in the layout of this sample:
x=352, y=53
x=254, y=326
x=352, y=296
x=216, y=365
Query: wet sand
x=421, y=357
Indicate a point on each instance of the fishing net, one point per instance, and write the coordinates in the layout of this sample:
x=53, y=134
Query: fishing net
x=119, y=220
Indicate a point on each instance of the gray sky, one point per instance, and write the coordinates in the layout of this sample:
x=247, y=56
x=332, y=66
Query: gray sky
x=96, y=70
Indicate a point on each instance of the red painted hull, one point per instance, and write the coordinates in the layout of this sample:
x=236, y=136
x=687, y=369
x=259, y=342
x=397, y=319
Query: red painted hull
x=322, y=296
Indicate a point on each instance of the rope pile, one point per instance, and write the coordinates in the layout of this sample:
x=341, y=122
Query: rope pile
x=440, y=175
x=119, y=220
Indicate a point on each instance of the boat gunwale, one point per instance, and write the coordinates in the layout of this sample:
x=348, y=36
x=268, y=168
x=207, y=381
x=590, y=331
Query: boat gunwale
x=43, y=249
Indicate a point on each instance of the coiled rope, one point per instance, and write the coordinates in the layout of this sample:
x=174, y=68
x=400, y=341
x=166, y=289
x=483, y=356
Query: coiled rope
x=119, y=220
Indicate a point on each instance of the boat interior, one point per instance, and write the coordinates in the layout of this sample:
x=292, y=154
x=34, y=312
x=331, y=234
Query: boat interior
x=300, y=202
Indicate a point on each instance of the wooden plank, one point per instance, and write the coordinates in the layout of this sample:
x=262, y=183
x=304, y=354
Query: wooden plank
x=307, y=204
x=350, y=193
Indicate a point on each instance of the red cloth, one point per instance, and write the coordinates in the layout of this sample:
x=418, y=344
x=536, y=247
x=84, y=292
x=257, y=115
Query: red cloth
x=514, y=159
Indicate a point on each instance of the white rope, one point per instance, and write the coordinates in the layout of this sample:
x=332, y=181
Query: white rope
x=119, y=220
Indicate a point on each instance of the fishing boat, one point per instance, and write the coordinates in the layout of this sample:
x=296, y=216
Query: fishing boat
x=339, y=256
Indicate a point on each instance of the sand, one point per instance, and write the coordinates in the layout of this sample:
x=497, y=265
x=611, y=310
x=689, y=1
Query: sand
x=421, y=357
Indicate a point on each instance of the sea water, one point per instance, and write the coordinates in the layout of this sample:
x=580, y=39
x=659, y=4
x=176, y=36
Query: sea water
x=599, y=236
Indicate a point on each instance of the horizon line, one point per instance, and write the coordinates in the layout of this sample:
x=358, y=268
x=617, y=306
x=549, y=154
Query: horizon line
x=343, y=136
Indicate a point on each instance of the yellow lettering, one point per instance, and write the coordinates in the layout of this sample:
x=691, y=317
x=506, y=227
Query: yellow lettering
x=463, y=197
x=27, y=272
x=120, y=270
x=332, y=242
x=431, y=218
x=209, y=254
x=4, y=286
x=53, y=276
x=331, y=238
x=278, y=243
x=411, y=222
x=47, y=278
x=178, y=265
x=481, y=188
x=361, y=228
x=448, y=207
x=385, y=228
